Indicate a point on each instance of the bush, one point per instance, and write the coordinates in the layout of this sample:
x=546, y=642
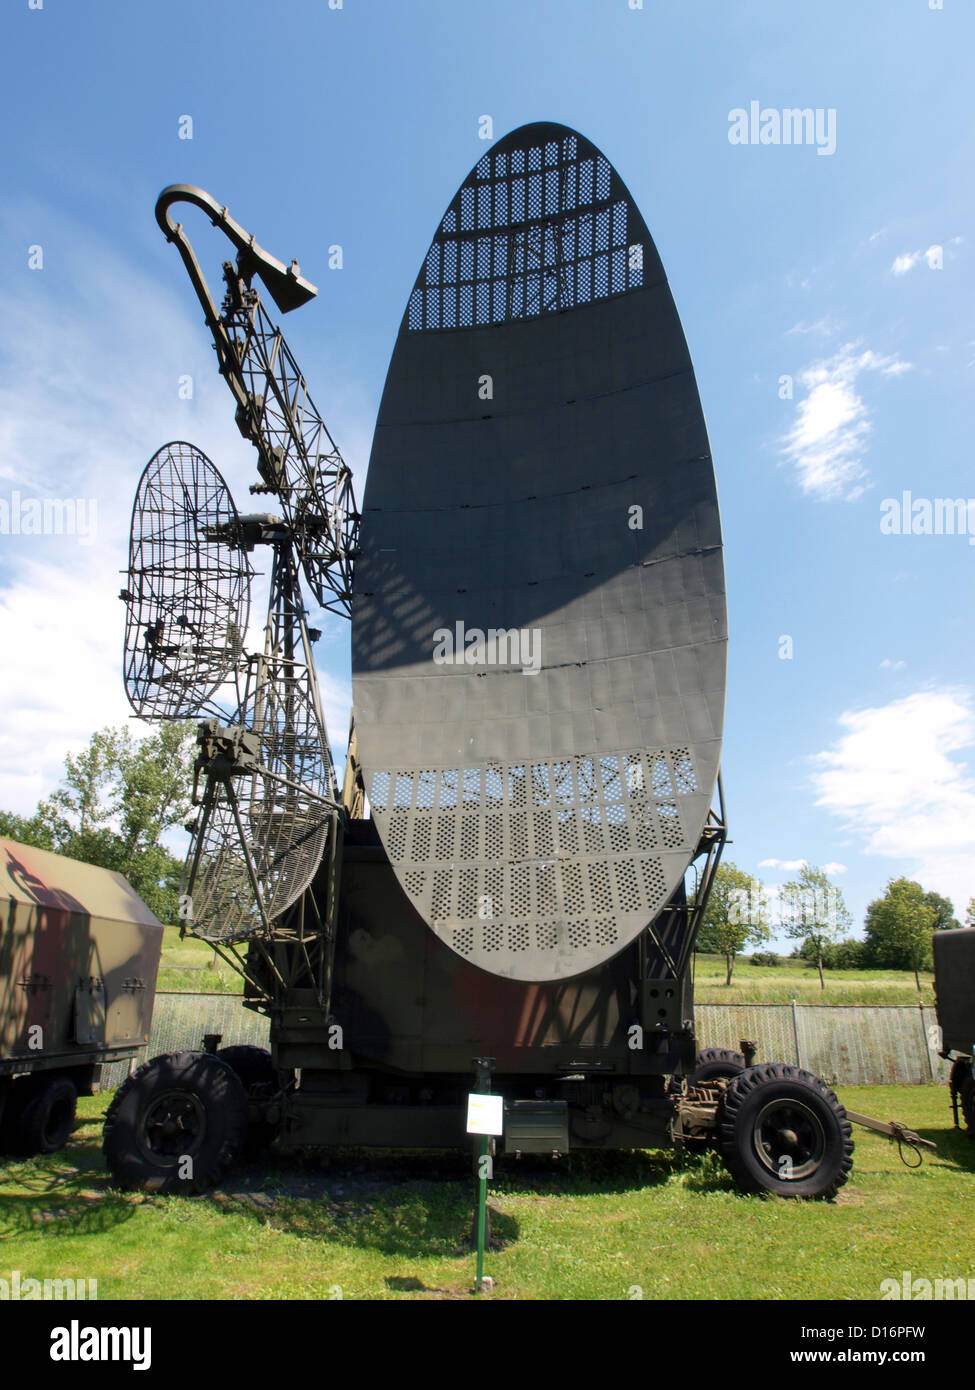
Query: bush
x=849, y=955
x=765, y=958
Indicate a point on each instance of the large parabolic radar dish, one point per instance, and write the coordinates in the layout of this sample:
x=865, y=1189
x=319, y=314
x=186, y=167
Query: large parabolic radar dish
x=539, y=622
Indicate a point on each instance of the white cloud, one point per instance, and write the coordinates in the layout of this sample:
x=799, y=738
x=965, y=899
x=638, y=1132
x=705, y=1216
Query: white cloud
x=888, y=665
x=61, y=629
x=909, y=259
x=793, y=866
x=827, y=441
x=823, y=328
x=895, y=779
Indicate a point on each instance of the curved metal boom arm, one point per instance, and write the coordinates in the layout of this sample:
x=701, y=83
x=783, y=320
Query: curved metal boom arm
x=298, y=459
x=285, y=284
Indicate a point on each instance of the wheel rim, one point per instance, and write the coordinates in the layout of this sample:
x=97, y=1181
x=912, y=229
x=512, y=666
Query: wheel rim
x=172, y=1127
x=789, y=1139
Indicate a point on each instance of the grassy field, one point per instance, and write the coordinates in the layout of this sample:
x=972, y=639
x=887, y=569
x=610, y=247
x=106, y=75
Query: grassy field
x=188, y=965
x=794, y=979
x=590, y=1227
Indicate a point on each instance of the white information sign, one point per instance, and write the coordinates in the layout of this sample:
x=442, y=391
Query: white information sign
x=485, y=1114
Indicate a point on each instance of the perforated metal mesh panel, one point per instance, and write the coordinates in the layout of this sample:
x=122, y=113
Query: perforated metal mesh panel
x=544, y=859
x=534, y=230
x=538, y=636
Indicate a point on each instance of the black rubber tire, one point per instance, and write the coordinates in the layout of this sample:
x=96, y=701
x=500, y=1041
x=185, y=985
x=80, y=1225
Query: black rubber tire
x=776, y=1112
x=252, y=1064
x=714, y=1062
x=254, y=1067
x=43, y=1114
x=179, y=1105
x=10, y=1108
x=966, y=1094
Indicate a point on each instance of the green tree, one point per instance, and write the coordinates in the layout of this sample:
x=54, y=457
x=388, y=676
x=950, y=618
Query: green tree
x=970, y=913
x=944, y=912
x=813, y=910
x=736, y=915
x=117, y=800
x=850, y=954
x=899, y=927
x=27, y=830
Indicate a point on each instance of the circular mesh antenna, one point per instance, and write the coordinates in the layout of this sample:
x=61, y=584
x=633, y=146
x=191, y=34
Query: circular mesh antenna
x=286, y=836
x=539, y=624
x=188, y=592
x=285, y=808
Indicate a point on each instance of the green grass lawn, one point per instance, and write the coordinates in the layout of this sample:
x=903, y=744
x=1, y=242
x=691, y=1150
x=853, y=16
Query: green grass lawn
x=594, y=1226
x=187, y=965
x=794, y=979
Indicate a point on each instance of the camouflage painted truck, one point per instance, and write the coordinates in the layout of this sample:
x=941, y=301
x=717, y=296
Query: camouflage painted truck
x=79, y=952
x=954, y=983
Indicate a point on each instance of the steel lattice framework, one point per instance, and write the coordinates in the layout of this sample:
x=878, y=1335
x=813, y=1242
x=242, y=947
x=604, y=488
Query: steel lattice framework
x=299, y=461
x=188, y=594
x=270, y=793
x=268, y=804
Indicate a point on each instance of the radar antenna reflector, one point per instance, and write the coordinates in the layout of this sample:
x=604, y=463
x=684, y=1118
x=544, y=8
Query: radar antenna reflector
x=187, y=594
x=538, y=626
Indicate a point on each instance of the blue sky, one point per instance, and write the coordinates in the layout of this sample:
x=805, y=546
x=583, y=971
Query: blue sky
x=848, y=272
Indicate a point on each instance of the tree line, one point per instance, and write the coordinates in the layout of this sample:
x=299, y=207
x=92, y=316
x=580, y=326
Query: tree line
x=116, y=801
x=810, y=910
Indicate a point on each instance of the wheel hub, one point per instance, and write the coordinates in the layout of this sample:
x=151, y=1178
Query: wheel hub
x=789, y=1139
x=172, y=1126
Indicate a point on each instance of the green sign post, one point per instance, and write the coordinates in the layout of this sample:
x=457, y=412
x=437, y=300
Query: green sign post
x=485, y=1117
x=481, y=1211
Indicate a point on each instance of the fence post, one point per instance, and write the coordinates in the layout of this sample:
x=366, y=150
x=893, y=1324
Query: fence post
x=924, y=1034
x=795, y=1032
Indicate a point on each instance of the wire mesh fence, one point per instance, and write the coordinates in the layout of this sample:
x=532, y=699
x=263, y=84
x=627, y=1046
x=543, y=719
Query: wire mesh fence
x=848, y=1045
x=179, y=1022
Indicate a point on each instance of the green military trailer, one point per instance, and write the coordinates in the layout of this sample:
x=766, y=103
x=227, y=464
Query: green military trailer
x=79, y=952
x=954, y=983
